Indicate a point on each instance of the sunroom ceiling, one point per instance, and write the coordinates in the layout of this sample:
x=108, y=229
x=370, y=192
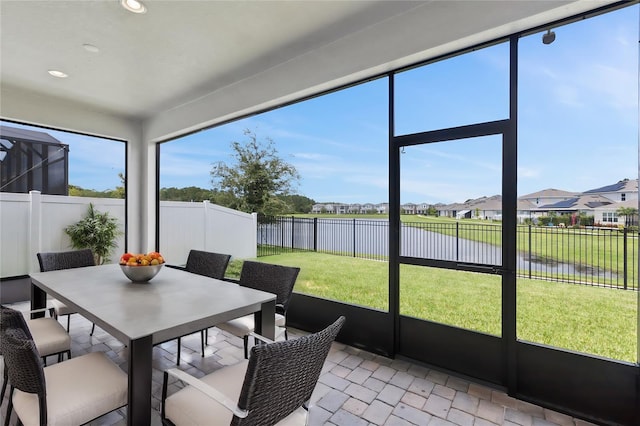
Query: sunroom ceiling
x=183, y=52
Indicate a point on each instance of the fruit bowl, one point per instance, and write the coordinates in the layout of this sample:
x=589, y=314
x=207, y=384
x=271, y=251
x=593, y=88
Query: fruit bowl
x=141, y=267
x=139, y=274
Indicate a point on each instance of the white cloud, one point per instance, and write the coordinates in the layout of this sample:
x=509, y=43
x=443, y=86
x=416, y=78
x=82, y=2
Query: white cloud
x=314, y=156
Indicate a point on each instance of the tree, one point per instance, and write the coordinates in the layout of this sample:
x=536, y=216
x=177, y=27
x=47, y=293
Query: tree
x=297, y=203
x=78, y=191
x=189, y=193
x=628, y=213
x=256, y=179
x=119, y=192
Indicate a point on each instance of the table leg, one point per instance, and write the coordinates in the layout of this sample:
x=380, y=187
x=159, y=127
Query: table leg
x=38, y=300
x=140, y=368
x=265, y=320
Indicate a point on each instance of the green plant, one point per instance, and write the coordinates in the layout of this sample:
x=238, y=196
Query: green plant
x=97, y=231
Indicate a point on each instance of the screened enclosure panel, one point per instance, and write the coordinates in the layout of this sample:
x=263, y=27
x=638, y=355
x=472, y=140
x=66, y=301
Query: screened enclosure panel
x=578, y=167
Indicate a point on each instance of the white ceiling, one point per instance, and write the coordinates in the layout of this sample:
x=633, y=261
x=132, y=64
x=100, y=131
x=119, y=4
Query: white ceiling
x=181, y=52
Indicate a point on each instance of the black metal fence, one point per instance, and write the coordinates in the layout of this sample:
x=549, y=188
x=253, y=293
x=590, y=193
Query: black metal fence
x=604, y=257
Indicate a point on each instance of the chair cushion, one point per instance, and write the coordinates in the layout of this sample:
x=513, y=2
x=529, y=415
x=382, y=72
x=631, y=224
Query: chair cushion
x=49, y=336
x=189, y=406
x=78, y=391
x=245, y=325
x=61, y=308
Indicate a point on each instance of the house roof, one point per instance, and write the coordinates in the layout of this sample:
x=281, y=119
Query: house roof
x=582, y=202
x=622, y=204
x=486, y=203
x=548, y=193
x=624, y=185
x=525, y=205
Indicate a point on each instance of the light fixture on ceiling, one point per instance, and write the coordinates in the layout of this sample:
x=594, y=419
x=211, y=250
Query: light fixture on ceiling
x=548, y=37
x=133, y=6
x=58, y=74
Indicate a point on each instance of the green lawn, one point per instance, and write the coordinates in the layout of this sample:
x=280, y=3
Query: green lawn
x=586, y=319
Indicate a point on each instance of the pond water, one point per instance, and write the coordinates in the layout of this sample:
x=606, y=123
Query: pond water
x=370, y=239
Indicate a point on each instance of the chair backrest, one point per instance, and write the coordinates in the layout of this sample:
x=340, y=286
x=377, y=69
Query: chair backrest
x=23, y=361
x=11, y=319
x=275, y=279
x=281, y=376
x=54, y=261
x=24, y=367
x=212, y=265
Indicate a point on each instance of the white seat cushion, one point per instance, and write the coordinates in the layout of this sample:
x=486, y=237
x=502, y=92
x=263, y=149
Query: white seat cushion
x=49, y=336
x=78, y=391
x=189, y=406
x=245, y=325
x=61, y=308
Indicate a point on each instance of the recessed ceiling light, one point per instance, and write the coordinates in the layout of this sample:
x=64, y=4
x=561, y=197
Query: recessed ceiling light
x=90, y=48
x=58, y=74
x=133, y=6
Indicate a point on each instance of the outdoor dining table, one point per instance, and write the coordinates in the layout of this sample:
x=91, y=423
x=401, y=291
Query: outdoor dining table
x=174, y=303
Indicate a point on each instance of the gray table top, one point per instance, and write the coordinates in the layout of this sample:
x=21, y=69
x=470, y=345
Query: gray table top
x=174, y=303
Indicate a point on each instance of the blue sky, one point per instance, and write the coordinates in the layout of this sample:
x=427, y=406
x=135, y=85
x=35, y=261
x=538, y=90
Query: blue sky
x=578, y=125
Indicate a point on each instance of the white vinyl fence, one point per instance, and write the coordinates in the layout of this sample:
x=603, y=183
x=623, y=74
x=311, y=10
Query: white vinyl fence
x=32, y=223
x=205, y=226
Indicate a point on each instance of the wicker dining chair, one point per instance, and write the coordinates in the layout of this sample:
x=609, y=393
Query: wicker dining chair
x=209, y=264
x=72, y=392
x=275, y=279
x=279, y=378
x=48, y=335
x=54, y=261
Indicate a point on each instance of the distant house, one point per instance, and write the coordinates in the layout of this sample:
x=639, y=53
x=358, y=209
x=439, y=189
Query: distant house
x=367, y=208
x=547, y=196
x=408, y=208
x=608, y=214
x=354, y=208
x=382, y=208
x=450, y=210
x=585, y=203
x=526, y=210
x=329, y=208
x=602, y=203
x=624, y=190
x=422, y=208
x=485, y=207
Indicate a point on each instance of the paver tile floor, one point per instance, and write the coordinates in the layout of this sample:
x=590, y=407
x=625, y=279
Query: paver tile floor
x=356, y=387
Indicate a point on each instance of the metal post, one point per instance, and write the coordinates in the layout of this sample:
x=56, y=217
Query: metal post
x=457, y=241
x=354, y=237
x=529, y=251
x=293, y=227
x=281, y=223
x=315, y=234
x=624, y=253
